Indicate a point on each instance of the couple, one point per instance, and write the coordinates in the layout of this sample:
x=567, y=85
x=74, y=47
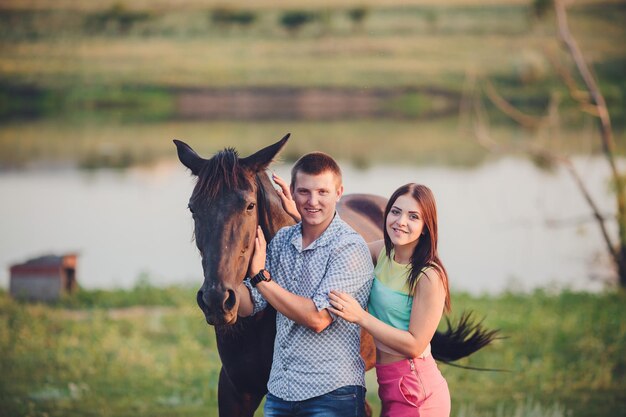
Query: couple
x=318, y=274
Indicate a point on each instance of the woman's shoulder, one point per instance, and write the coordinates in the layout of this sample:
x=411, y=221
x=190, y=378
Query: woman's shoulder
x=431, y=273
x=376, y=249
x=431, y=269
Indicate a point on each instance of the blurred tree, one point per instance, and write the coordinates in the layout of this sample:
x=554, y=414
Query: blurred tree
x=591, y=101
x=224, y=16
x=294, y=20
x=540, y=8
x=358, y=15
x=117, y=19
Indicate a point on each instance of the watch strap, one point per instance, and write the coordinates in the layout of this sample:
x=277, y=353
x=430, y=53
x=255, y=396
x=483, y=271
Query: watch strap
x=263, y=275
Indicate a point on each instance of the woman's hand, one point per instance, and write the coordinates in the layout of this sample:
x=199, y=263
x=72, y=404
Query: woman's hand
x=258, y=257
x=289, y=205
x=346, y=307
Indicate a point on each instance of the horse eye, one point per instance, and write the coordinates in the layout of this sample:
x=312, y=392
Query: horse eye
x=250, y=206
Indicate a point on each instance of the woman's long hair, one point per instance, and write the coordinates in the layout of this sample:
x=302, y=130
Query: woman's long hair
x=425, y=253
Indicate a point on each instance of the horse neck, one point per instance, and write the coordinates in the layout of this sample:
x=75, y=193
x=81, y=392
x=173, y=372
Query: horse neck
x=272, y=216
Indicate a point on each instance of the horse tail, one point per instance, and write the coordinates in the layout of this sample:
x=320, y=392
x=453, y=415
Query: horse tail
x=461, y=341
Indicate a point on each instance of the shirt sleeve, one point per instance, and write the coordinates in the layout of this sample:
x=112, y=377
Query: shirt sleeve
x=350, y=270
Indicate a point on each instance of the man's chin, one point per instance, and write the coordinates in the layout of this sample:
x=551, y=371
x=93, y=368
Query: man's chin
x=312, y=219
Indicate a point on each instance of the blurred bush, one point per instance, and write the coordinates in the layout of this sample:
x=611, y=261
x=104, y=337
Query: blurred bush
x=540, y=8
x=117, y=19
x=357, y=16
x=294, y=20
x=227, y=16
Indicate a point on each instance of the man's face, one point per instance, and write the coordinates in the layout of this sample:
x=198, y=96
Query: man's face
x=316, y=197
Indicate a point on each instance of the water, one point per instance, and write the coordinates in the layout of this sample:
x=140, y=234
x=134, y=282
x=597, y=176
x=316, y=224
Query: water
x=505, y=225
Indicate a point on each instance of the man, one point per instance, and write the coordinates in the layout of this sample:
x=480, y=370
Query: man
x=316, y=369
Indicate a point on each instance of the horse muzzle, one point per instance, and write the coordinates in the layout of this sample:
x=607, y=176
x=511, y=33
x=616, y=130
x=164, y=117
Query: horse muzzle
x=219, y=305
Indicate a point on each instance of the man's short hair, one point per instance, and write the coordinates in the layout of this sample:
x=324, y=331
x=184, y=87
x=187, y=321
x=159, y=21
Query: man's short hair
x=316, y=163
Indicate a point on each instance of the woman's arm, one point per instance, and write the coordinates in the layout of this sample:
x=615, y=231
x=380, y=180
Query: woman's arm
x=426, y=312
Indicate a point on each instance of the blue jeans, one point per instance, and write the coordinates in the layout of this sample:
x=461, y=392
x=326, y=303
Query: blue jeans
x=346, y=401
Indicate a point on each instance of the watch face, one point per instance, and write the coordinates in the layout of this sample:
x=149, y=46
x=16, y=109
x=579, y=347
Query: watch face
x=265, y=274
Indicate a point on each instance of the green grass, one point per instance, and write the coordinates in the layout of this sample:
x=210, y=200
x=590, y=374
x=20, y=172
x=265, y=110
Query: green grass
x=55, y=66
x=568, y=349
x=399, y=45
x=148, y=352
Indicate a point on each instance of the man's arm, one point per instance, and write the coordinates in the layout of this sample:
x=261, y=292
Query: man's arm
x=350, y=270
x=302, y=310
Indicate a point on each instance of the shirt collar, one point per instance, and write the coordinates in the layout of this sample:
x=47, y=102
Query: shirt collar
x=323, y=240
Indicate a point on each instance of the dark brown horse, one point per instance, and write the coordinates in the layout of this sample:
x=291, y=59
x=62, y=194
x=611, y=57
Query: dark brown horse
x=231, y=197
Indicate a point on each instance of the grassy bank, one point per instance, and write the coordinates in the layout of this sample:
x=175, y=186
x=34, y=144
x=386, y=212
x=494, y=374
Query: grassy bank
x=92, y=57
x=148, y=352
x=394, y=45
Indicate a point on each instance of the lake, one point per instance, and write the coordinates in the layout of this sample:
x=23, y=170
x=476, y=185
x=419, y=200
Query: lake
x=505, y=224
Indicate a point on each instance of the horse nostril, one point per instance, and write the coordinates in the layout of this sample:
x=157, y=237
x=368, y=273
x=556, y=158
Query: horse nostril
x=230, y=300
x=199, y=300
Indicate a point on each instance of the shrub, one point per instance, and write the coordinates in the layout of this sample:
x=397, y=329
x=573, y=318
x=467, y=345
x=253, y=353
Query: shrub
x=224, y=16
x=293, y=20
x=117, y=18
x=358, y=14
x=541, y=7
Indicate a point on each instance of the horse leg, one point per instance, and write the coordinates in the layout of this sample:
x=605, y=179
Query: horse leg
x=234, y=404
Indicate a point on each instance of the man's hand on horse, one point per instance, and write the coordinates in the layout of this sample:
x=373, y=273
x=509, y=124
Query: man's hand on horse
x=258, y=257
x=286, y=198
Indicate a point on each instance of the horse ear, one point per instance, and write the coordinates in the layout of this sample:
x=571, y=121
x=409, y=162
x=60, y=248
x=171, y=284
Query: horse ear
x=261, y=159
x=189, y=157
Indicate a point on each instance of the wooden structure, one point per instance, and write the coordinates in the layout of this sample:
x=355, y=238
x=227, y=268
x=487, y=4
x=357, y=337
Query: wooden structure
x=46, y=278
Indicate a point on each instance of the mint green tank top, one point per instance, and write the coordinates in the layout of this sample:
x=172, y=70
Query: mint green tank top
x=389, y=300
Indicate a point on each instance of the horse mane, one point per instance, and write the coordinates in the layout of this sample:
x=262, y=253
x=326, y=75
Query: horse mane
x=221, y=173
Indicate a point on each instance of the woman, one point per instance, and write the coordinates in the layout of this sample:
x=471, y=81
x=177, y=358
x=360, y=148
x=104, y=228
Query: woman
x=409, y=295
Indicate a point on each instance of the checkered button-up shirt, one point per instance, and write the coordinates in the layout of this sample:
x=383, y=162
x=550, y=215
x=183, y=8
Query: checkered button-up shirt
x=308, y=364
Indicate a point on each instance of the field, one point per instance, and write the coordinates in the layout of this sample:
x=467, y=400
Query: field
x=101, y=54
x=148, y=352
x=106, y=81
x=100, y=85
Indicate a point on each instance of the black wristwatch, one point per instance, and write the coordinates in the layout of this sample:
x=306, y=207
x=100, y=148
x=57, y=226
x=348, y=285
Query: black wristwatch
x=263, y=275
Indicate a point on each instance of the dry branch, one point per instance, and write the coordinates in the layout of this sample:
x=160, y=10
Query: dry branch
x=606, y=135
x=483, y=137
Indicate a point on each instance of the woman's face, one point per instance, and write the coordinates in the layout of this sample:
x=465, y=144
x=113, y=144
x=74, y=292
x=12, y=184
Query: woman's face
x=404, y=222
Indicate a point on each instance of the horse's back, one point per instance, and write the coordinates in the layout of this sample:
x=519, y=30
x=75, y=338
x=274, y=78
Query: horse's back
x=364, y=213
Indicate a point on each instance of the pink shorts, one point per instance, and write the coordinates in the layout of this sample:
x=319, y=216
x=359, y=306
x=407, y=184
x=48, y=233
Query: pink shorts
x=413, y=388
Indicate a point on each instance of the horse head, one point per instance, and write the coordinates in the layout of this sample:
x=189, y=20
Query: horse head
x=229, y=200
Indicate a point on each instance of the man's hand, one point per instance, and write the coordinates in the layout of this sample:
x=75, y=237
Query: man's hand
x=258, y=257
x=285, y=197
